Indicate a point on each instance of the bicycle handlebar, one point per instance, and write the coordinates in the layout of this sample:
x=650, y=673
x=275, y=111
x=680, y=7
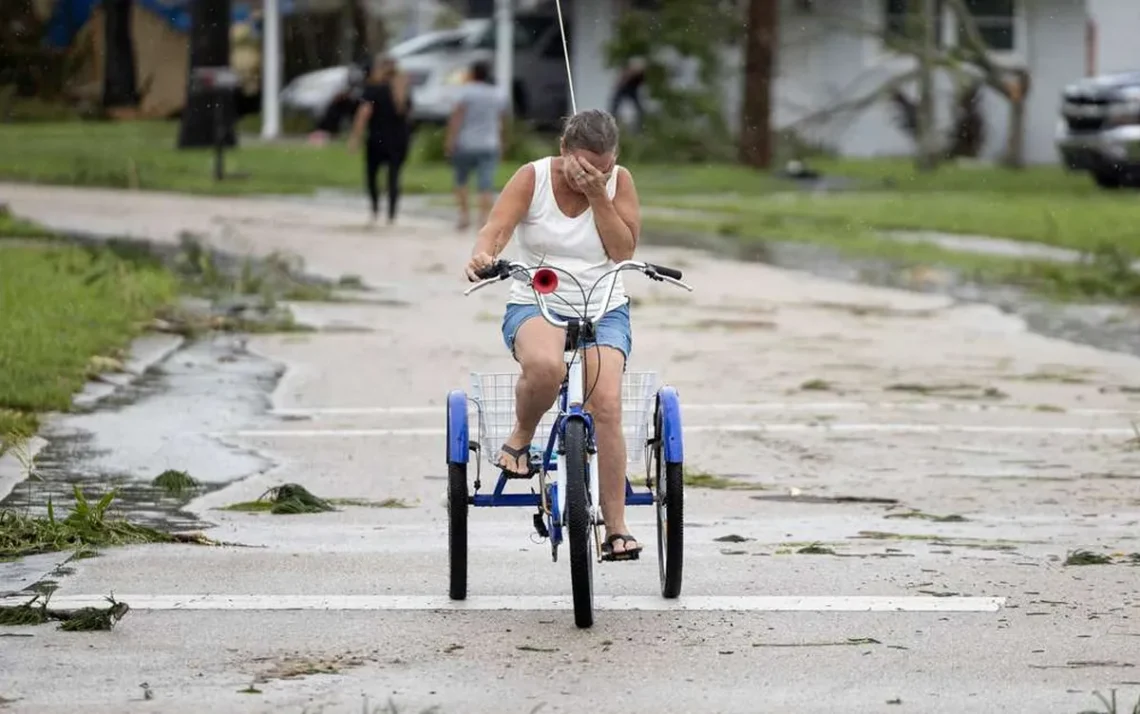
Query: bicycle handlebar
x=503, y=269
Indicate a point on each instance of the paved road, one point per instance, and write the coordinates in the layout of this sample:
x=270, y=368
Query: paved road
x=989, y=619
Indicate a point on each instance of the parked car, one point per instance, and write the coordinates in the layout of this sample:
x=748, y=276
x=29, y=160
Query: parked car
x=437, y=64
x=540, y=89
x=313, y=93
x=1099, y=129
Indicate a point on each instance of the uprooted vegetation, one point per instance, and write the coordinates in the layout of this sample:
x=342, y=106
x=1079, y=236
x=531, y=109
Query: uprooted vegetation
x=87, y=526
x=291, y=498
x=84, y=619
x=703, y=479
x=1088, y=557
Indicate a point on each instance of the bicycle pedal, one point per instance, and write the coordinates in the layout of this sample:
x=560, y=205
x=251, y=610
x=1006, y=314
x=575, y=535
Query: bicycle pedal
x=540, y=525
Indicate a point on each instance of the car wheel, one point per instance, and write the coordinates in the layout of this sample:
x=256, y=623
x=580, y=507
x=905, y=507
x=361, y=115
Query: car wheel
x=1108, y=179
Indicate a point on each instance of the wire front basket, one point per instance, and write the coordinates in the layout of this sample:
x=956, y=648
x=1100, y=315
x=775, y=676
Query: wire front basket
x=494, y=397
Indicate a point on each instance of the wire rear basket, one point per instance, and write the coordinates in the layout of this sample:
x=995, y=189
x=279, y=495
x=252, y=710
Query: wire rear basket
x=494, y=397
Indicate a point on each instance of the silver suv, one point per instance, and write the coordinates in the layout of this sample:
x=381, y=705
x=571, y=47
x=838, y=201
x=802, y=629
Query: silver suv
x=1099, y=129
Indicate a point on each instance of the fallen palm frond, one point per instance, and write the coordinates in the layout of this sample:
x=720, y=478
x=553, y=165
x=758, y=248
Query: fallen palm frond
x=289, y=498
x=86, y=526
x=84, y=619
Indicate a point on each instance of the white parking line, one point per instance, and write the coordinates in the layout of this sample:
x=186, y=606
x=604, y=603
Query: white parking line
x=741, y=407
x=731, y=428
x=714, y=603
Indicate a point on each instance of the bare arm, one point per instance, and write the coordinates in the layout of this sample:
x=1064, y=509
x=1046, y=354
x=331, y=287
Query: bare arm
x=363, y=114
x=619, y=219
x=453, y=124
x=509, y=209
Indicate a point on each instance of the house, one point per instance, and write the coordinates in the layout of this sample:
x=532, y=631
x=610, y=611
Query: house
x=160, y=29
x=834, y=51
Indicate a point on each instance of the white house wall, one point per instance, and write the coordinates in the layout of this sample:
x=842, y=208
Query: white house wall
x=591, y=27
x=1117, y=25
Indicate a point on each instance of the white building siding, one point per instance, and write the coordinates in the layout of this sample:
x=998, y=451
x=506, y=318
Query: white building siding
x=1117, y=25
x=827, y=56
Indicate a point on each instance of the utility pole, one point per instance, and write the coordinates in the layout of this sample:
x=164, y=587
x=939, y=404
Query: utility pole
x=759, y=67
x=927, y=134
x=271, y=70
x=505, y=48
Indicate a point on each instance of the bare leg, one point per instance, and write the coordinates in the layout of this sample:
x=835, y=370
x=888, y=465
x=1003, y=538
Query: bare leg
x=603, y=376
x=464, y=211
x=538, y=348
x=486, y=201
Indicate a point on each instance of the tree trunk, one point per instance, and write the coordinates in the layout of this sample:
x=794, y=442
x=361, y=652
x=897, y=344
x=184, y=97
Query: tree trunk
x=927, y=126
x=120, y=87
x=1018, y=88
x=756, y=112
x=209, y=47
x=361, y=46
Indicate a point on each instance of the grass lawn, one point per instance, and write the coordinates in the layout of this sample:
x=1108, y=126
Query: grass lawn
x=143, y=154
x=61, y=306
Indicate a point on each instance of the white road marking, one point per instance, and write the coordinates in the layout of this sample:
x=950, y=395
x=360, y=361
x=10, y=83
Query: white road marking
x=714, y=603
x=715, y=428
x=743, y=407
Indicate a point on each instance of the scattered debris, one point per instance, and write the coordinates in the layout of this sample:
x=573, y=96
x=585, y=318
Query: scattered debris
x=289, y=498
x=851, y=641
x=532, y=648
x=85, y=619
x=802, y=498
x=249, y=690
x=816, y=385
x=955, y=391
x=1049, y=408
x=1087, y=557
x=952, y=518
x=86, y=527
x=732, y=538
x=700, y=479
x=1110, y=705
x=291, y=667
x=174, y=483
x=815, y=549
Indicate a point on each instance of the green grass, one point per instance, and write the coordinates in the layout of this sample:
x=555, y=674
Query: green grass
x=1078, y=222
x=60, y=307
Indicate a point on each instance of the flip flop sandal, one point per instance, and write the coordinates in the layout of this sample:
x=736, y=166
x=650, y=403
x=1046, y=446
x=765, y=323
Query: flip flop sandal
x=517, y=454
x=609, y=554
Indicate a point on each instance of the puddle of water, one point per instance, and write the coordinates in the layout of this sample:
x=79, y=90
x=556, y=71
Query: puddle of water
x=156, y=424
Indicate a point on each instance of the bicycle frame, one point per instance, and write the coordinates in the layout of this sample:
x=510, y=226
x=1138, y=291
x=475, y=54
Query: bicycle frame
x=571, y=398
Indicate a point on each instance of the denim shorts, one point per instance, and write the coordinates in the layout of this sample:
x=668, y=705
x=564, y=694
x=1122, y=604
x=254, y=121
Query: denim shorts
x=612, y=330
x=483, y=163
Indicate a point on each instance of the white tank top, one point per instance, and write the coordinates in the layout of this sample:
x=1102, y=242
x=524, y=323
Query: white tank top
x=547, y=235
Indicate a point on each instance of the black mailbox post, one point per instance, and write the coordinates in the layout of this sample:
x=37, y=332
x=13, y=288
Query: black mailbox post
x=217, y=86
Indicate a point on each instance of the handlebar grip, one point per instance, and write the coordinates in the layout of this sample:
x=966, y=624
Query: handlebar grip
x=498, y=268
x=667, y=272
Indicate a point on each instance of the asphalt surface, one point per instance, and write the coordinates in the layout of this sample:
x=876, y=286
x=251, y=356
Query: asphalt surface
x=812, y=391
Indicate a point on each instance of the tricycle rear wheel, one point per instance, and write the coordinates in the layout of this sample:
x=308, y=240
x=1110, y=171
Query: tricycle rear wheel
x=457, y=506
x=669, y=505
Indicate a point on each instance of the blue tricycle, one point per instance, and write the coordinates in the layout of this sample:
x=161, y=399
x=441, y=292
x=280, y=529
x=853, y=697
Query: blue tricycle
x=567, y=496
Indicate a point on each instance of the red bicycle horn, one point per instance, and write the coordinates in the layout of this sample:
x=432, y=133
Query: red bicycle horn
x=545, y=281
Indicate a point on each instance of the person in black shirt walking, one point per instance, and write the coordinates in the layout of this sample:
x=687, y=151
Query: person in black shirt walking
x=384, y=109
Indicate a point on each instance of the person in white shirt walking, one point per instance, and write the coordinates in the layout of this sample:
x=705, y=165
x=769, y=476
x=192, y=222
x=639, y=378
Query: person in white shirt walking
x=579, y=212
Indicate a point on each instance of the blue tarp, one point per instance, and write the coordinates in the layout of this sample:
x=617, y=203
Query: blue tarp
x=69, y=16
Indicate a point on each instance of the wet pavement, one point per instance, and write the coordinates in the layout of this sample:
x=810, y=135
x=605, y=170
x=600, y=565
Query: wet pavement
x=988, y=452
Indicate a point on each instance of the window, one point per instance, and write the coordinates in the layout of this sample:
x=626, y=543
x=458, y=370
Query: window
x=903, y=21
x=996, y=21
